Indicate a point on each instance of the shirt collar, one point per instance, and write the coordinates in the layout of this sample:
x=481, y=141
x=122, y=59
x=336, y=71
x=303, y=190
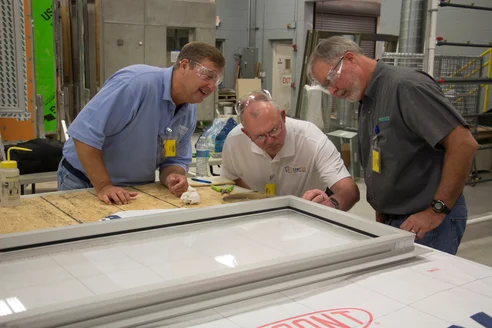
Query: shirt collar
x=166, y=95
x=373, y=83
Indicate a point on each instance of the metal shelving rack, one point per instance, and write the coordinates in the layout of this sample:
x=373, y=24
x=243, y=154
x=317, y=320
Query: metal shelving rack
x=461, y=78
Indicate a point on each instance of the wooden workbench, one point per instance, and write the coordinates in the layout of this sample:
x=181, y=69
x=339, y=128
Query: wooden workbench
x=76, y=207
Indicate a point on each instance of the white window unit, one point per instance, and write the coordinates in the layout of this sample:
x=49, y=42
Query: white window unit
x=188, y=260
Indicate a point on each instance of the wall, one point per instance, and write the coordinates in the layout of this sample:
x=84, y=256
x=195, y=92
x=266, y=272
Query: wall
x=233, y=15
x=454, y=24
x=21, y=126
x=272, y=17
x=141, y=28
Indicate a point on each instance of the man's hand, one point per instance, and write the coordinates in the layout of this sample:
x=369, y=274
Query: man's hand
x=177, y=183
x=118, y=195
x=422, y=222
x=318, y=196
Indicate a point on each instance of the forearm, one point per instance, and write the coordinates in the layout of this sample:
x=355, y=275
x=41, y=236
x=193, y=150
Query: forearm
x=457, y=163
x=240, y=183
x=347, y=197
x=164, y=173
x=93, y=164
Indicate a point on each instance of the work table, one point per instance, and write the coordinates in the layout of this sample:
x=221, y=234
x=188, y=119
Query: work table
x=64, y=208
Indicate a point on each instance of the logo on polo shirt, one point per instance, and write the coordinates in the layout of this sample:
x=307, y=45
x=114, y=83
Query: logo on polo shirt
x=182, y=130
x=300, y=169
x=384, y=119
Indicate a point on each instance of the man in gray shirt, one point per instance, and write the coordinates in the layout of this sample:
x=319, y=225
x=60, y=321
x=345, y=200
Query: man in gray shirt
x=415, y=148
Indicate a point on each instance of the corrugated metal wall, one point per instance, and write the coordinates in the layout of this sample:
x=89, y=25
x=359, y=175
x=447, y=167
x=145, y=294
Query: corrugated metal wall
x=348, y=23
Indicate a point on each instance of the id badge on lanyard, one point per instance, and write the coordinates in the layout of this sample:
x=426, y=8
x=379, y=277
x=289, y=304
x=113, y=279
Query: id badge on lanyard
x=169, y=144
x=376, y=152
x=270, y=187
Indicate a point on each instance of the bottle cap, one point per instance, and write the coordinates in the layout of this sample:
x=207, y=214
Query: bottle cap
x=8, y=164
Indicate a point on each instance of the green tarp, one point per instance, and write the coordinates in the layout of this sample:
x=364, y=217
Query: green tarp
x=44, y=60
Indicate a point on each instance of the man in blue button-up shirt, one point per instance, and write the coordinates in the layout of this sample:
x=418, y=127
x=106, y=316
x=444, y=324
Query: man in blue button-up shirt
x=142, y=119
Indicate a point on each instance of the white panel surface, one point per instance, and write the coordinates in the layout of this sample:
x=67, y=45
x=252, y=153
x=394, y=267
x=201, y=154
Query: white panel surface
x=101, y=267
x=396, y=296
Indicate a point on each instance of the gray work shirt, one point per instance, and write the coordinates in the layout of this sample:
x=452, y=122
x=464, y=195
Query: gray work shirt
x=413, y=116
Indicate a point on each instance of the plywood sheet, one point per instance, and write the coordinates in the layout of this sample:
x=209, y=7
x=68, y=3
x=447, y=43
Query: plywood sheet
x=208, y=197
x=143, y=201
x=82, y=206
x=157, y=190
x=33, y=214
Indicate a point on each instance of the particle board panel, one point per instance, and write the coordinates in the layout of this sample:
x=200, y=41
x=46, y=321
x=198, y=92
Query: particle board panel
x=32, y=214
x=208, y=197
x=81, y=205
x=143, y=201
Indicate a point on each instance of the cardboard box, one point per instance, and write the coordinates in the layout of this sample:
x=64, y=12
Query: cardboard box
x=345, y=153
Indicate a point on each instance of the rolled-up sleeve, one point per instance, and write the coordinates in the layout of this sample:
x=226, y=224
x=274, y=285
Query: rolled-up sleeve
x=427, y=112
x=106, y=114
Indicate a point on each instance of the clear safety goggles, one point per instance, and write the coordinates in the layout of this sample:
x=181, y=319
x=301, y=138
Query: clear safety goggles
x=333, y=74
x=252, y=97
x=273, y=133
x=206, y=74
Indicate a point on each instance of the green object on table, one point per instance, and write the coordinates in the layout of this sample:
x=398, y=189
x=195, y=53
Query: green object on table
x=222, y=190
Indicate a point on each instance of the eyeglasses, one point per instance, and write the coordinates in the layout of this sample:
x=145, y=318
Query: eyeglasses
x=207, y=74
x=272, y=134
x=333, y=74
x=250, y=98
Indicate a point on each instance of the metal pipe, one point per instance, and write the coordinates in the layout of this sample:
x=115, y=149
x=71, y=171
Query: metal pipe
x=412, y=26
x=431, y=45
x=476, y=115
x=485, y=218
x=464, y=44
x=249, y=23
x=482, y=147
x=457, y=5
x=464, y=81
x=252, y=24
x=478, y=181
x=487, y=87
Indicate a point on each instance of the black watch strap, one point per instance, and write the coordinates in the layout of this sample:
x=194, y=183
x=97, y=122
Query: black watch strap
x=335, y=203
x=438, y=206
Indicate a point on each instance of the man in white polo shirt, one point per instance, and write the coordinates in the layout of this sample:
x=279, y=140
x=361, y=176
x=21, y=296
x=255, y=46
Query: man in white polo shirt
x=283, y=156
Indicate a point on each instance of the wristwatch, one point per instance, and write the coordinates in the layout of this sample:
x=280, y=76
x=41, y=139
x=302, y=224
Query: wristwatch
x=438, y=206
x=335, y=203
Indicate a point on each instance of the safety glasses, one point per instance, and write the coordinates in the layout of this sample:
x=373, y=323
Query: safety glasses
x=273, y=133
x=252, y=97
x=206, y=74
x=333, y=74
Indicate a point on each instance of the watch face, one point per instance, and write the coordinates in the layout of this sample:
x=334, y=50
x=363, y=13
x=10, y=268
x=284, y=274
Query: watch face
x=438, y=206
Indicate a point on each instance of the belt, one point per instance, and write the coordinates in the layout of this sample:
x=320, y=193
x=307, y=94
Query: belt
x=81, y=176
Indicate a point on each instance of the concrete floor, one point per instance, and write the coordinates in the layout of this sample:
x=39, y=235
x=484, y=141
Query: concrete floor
x=477, y=242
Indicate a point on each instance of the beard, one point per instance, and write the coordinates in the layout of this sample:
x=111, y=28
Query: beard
x=355, y=90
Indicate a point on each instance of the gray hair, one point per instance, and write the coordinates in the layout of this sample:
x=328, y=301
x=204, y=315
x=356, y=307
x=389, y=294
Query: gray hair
x=330, y=50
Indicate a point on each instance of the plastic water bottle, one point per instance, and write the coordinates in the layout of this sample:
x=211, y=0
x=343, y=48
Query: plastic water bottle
x=202, y=154
x=211, y=145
